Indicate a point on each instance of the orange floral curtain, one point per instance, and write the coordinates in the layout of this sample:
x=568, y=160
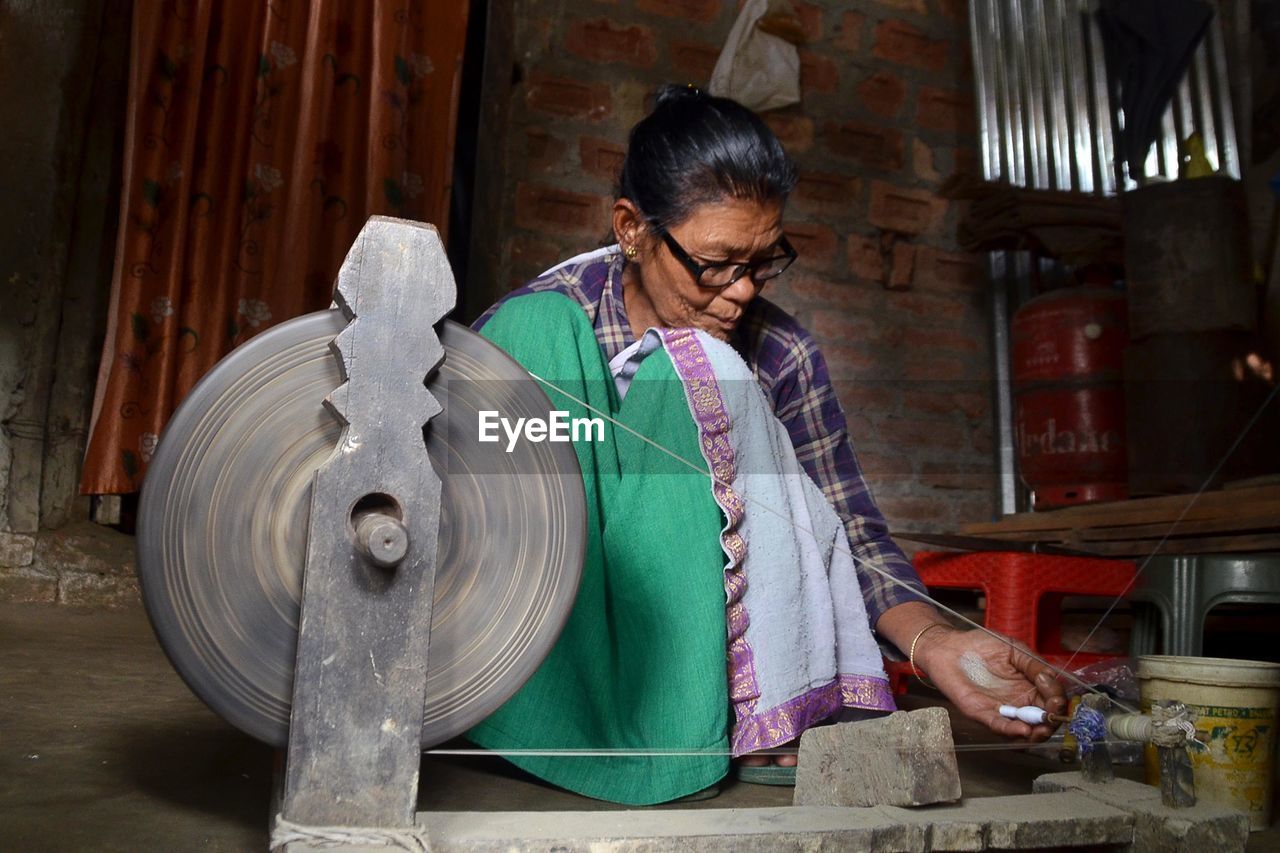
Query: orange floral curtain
x=261, y=135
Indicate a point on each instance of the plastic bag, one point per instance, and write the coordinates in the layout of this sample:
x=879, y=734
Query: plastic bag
x=755, y=68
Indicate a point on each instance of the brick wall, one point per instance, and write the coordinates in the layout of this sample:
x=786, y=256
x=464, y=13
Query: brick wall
x=886, y=116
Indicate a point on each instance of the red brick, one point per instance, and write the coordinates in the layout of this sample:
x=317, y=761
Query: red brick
x=885, y=466
x=865, y=259
x=845, y=327
x=956, y=481
x=916, y=6
x=818, y=73
x=874, y=397
x=966, y=160
x=849, y=33
x=922, y=162
x=915, y=432
x=913, y=511
x=602, y=41
x=556, y=211
x=810, y=20
x=794, y=131
x=952, y=339
x=956, y=10
x=844, y=361
x=940, y=270
x=877, y=147
x=849, y=299
x=532, y=255
x=882, y=93
x=694, y=60
x=901, y=266
x=564, y=97
x=816, y=244
x=904, y=211
x=704, y=11
x=964, y=64
x=545, y=151
x=601, y=157
x=827, y=191
x=945, y=110
x=974, y=405
x=901, y=43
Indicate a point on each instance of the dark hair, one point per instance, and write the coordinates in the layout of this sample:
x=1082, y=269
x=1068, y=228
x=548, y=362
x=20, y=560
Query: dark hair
x=695, y=148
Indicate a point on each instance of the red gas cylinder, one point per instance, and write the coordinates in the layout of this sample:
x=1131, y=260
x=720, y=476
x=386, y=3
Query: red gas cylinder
x=1068, y=391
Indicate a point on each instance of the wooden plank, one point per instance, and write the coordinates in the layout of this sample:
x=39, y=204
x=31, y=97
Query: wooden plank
x=1249, y=523
x=1138, y=511
x=1206, y=545
x=360, y=680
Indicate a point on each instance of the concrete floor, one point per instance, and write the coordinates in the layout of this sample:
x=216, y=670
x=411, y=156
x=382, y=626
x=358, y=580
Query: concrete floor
x=102, y=747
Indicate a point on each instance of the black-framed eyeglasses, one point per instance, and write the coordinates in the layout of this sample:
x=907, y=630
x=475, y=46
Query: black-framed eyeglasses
x=720, y=275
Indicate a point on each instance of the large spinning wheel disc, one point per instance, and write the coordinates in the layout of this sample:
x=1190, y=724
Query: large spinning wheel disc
x=222, y=532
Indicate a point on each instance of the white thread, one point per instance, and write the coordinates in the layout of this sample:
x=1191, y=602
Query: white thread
x=975, y=669
x=605, y=753
x=861, y=562
x=287, y=832
x=1176, y=522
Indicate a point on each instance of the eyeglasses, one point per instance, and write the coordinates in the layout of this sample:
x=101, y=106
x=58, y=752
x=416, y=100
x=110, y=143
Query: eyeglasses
x=720, y=275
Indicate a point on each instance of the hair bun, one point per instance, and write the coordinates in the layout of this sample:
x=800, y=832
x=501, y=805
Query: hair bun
x=672, y=93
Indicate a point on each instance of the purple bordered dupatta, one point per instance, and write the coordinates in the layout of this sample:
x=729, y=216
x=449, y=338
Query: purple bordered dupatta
x=799, y=643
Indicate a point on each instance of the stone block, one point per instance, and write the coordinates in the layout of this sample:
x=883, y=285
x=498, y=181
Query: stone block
x=905, y=759
x=1202, y=827
x=27, y=586
x=16, y=550
x=85, y=548
x=1066, y=819
x=1019, y=822
x=87, y=590
x=761, y=830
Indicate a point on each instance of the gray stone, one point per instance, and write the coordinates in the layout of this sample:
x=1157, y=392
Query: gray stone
x=949, y=826
x=25, y=586
x=85, y=548
x=1202, y=827
x=86, y=590
x=1023, y=821
x=904, y=759
x=1068, y=819
x=16, y=550
x=764, y=830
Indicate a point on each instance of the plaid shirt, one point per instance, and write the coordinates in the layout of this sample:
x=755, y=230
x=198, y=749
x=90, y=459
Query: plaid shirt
x=792, y=371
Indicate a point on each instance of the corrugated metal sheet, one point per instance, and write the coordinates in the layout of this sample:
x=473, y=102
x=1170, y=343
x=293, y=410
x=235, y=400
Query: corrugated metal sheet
x=1046, y=120
x=1045, y=116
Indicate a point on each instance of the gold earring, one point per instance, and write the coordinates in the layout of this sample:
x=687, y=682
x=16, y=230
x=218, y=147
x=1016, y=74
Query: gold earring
x=631, y=252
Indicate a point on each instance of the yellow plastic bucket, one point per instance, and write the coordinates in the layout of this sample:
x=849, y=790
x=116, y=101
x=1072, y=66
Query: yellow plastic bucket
x=1236, y=702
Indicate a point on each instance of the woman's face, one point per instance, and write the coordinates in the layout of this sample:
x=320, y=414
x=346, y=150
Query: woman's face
x=665, y=292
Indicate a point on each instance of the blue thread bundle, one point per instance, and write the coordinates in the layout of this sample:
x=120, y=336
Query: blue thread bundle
x=1088, y=727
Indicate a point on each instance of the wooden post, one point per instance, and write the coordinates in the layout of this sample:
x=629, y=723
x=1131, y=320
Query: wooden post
x=360, y=678
x=1177, y=781
x=1095, y=757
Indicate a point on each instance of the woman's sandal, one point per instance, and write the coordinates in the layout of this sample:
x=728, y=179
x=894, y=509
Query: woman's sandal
x=766, y=774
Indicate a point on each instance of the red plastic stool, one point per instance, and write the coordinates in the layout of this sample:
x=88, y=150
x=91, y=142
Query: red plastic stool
x=1024, y=595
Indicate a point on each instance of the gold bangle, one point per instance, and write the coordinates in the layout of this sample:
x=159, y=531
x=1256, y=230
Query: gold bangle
x=911, y=655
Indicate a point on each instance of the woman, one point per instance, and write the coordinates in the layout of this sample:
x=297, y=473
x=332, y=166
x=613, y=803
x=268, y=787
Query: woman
x=648, y=331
